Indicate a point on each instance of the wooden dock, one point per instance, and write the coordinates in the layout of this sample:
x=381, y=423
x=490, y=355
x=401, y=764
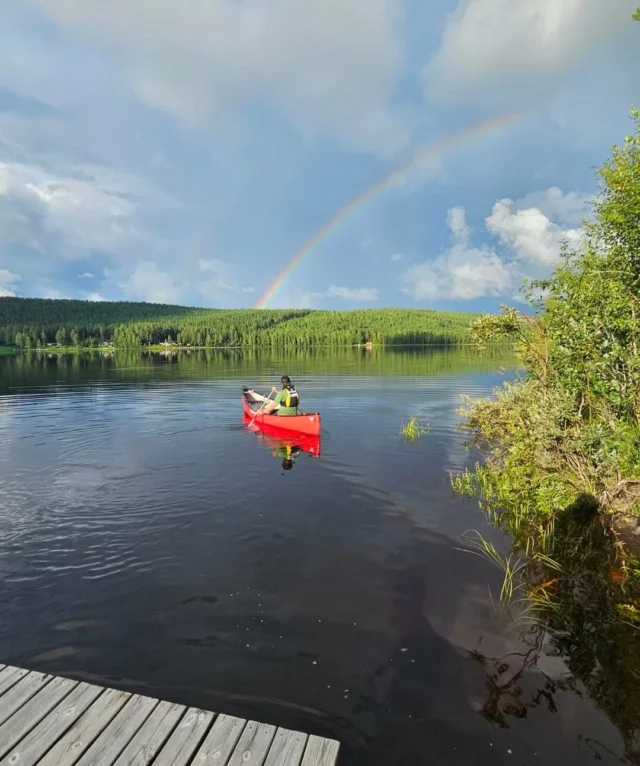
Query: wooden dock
x=53, y=721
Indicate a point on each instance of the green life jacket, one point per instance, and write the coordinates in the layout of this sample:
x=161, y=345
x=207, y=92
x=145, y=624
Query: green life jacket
x=291, y=398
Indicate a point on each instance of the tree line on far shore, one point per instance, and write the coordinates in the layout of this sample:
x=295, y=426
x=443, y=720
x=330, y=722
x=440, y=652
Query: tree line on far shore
x=32, y=323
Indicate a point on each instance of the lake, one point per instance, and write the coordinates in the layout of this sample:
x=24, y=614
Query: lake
x=150, y=541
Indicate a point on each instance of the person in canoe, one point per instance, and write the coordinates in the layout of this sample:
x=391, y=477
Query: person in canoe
x=286, y=401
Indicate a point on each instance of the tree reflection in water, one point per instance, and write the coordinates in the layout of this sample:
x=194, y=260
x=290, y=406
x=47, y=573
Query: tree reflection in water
x=583, y=610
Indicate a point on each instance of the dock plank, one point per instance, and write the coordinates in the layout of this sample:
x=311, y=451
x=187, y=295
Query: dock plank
x=186, y=737
x=28, y=686
x=219, y=743
x=47, y=720
x=253, y=745
x=119, y=732
x=287, y=748
x=32, y=712
x=150, y=737
x=320, y=752
x=9, y=677
x=29, y=751
x=79, y=738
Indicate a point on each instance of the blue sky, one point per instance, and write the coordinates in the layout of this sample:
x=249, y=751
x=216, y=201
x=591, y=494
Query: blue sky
x=184, y=150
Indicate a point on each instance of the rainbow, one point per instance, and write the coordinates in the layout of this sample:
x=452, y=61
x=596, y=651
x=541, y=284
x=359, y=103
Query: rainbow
x=435, y=150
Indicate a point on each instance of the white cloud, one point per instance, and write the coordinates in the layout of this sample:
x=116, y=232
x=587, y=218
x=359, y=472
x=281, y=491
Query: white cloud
x=148, y=283
x=396, y=257
x=462, y=273
x=86, y=275
x=8, y=283
x=79, y=214
x=532, y=236
x=566, y=209
x=492, y=42
x=364, y=294
x=222, y=282
x=21, y=212
x=52, y=294
x=330, y=67
x=529, y=230
x=95, y=297
x=210, y=265
x=305, y=299
x=296, y=298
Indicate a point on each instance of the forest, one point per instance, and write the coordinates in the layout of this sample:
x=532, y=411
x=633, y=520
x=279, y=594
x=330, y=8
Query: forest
x=33, y=323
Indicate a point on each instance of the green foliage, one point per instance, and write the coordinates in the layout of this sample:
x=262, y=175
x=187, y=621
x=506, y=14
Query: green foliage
x=25, y=322
x=570, y=430
x=636, y=15
x=562, y=446
x=413, y=429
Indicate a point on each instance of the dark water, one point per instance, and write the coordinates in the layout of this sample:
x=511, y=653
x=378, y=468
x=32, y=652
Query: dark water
x=150, y=542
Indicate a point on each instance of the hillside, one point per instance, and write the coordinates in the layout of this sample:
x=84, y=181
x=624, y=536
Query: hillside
x=34, y=323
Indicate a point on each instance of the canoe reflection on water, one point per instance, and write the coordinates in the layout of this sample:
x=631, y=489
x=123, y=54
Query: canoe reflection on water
x=283, y=444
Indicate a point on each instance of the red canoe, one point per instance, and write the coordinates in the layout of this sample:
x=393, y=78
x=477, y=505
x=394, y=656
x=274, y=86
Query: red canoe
x=302, y=424
x=273, y=437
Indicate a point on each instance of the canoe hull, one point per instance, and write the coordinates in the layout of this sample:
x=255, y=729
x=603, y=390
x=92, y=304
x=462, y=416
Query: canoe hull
x=272, y=437
x=301, y=424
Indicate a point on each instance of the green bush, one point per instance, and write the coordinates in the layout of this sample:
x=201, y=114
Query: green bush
x=569, y=431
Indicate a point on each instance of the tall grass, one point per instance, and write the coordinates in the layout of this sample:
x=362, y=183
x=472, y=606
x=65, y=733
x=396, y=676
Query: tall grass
x=413, y=429
x=523, y=597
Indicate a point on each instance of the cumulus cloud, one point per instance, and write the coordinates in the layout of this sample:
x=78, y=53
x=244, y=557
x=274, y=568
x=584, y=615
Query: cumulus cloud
x=364, y=294
x=22, y=213
x=396, y=257
x=328, y=67
x=531, y=236
x=148, y=283
x=8, y=283
x=297, y=298
x=489, y=42
x=567, y=209
x=529, y=233
x=86, y=275
x=95, y=297
x=53, y=294
x=535, y=227
x=221, y=282
x=78, y=214
x=462, y=272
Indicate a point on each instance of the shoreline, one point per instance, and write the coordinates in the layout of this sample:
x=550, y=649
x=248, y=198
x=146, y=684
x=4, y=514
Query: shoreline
x=9, y=350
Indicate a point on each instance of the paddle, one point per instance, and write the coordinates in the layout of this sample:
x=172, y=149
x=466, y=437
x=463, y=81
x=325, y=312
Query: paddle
x=261, y=408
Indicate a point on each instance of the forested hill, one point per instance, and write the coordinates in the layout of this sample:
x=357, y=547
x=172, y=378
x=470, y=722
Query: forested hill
x=34, y=323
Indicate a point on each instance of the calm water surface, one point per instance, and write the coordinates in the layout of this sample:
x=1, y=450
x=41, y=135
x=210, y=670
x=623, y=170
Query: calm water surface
x=150, y=541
